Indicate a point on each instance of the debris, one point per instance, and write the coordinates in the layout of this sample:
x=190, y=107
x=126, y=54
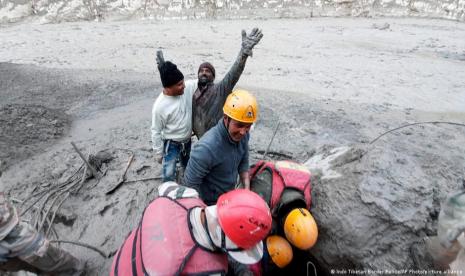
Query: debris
x=95, y=173
x=52, y=196
x=103, y=254
x=145, y=179
x=123, y=176
x=413, y=124
x=106, y=207
x=278, y=155
x=54, y=213
x=65, y=216
x=142, y=168
x=271, y=141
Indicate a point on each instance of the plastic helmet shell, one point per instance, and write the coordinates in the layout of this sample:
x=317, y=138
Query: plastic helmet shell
x=241, y=106
x=244, y=217
x=300, y=228
x=280, y=250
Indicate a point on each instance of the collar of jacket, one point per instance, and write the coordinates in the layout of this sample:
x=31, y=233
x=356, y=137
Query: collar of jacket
x=204, y=88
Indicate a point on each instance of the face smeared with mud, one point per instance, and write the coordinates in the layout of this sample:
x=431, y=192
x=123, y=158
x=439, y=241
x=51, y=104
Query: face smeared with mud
x=205, y=76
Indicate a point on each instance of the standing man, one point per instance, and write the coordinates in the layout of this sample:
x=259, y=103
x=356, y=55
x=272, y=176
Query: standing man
x=172, y=119
x=209, y=96
x=222, y=154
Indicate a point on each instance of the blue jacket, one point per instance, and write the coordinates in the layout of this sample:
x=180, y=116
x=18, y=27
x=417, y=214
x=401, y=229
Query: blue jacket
x=216, y=162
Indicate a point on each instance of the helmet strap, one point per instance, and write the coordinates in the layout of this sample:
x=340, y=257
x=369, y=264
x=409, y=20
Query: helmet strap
x=227, y=126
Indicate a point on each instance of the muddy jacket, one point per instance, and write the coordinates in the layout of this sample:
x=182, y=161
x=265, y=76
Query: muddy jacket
x=164, y=245
x=207, y=105
x=23, y=248
x=8, y=217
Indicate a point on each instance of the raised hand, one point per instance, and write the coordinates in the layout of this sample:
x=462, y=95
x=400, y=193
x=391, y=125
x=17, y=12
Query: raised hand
x=249, y=41
x=160, y=59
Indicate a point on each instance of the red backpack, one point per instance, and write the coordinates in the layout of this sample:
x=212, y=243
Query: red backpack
x=285, y=176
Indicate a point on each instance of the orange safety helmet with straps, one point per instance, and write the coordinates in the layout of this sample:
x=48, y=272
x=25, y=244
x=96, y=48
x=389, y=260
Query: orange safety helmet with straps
x=300, y=228
x=279, y=250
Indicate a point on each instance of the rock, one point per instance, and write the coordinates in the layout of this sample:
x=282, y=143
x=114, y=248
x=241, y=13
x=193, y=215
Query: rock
x=65, y=216
x=58, y=171
x=373, y=207
x=142, y=169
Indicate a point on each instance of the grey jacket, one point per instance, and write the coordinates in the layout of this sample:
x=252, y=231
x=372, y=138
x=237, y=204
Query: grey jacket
x=215, y=163
x=207, y=105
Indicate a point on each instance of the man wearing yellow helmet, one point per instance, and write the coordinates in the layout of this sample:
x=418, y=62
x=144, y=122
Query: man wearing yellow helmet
x=222, y=154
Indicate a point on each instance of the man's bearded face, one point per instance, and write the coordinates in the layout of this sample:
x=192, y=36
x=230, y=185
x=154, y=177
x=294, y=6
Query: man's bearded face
x=205, y=76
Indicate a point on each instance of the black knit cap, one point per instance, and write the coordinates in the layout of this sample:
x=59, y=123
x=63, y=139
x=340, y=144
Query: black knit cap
x=170, y=74
x=207, y=65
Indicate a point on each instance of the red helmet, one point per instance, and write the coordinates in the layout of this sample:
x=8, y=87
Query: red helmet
x=244, y=217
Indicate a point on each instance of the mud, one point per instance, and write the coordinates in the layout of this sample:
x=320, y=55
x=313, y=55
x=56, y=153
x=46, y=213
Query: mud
x=26, y=129
x=333, y=84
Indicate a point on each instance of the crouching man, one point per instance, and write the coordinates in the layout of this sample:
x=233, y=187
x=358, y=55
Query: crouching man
x=23, y=248
x=179, y=235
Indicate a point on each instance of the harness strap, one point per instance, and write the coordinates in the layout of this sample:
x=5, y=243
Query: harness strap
x=186, y=259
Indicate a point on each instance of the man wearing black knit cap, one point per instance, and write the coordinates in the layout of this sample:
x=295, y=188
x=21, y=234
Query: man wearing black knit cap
x=209, y=97
x=172, y=120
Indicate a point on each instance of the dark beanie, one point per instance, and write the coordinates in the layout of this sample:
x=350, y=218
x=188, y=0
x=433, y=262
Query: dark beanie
x=170, y=74
x=207, y=65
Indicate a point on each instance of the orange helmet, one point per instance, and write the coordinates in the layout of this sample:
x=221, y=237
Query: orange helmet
x=241, y=106
x=244, y=217
x=300, y=228
x=280, y=250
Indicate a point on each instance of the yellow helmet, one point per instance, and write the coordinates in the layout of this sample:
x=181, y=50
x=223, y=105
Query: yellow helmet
x=241, y=106
x=300, y=228
x=280, y=250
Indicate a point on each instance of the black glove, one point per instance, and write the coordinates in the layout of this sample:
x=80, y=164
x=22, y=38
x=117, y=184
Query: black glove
x=160, y=59
x=249, y=41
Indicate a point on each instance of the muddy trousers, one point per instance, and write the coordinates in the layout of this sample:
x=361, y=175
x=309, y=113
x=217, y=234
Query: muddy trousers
x=55, y=261
x=174, y=152
x=29, y=251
